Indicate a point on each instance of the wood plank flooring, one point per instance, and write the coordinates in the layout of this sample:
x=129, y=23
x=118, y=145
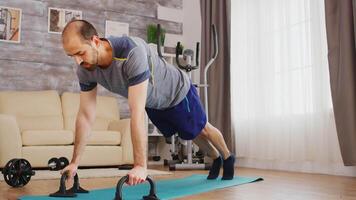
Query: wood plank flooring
x=277, y=185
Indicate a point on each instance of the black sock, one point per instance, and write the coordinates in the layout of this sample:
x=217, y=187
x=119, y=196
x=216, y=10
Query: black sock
x=228, y=167
x=215, y=168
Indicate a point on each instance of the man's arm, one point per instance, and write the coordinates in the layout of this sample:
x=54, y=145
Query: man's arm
x=137, y=101
x=84, y=121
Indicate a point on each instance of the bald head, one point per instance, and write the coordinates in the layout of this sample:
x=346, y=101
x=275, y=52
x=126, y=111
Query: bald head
x=78, y=28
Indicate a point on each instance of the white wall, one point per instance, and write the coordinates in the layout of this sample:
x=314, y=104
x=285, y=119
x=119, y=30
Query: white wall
x=192, y=27
x=191, y=18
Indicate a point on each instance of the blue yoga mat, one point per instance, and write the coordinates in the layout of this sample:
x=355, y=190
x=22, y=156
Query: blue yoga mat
x=166, y=189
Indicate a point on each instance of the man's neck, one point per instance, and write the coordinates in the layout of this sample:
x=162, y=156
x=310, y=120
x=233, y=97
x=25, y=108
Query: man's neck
x=105, y=55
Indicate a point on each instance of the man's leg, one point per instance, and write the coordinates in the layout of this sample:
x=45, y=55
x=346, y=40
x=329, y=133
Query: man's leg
x=214, y=136
x=208, y=148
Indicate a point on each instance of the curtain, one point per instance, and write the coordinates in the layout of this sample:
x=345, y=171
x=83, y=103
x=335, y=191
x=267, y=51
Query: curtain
x=282, y=113
x=219, y=96
x=340, y=24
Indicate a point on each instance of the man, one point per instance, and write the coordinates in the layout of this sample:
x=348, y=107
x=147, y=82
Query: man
x=128, y=67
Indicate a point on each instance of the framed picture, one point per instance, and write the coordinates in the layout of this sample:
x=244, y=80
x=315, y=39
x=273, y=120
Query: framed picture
x=58, y=18
x=10, y=24
x=117, y=29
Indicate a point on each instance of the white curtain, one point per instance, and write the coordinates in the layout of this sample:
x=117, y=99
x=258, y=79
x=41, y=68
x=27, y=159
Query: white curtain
x=281, y=101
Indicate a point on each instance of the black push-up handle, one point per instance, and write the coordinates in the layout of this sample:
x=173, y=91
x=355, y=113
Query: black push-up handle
x=152, y=195
x=63, y=192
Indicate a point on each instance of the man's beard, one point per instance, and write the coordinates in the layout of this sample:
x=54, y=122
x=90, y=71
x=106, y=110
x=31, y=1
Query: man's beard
x=91, y=68
x=94, y=61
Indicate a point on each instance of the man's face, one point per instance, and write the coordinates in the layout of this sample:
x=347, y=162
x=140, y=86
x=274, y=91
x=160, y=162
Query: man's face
x=84, y=53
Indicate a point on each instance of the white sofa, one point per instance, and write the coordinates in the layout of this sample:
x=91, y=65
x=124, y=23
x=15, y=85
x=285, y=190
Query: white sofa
x=38, y=125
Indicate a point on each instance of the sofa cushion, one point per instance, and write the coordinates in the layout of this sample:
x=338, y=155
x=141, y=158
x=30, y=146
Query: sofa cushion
x=34, y=110
x=47, y=137
x=107, y=110
x=105, y=138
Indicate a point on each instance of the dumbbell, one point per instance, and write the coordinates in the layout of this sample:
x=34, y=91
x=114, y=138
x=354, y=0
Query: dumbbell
x=17, y=172
x=56, y=164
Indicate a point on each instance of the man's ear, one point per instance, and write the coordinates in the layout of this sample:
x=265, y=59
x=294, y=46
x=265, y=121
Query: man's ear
x=96, y=40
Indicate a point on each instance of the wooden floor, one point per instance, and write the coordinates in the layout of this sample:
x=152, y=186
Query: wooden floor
x=276, y=185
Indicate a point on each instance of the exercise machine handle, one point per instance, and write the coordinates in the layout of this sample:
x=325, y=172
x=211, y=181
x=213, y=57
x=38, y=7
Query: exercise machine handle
x=197, y=55
x=187, y=67
x=159, y=40
x=215, y=38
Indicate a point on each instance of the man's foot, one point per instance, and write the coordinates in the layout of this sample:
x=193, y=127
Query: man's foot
x=229, y=165
x=215, y=168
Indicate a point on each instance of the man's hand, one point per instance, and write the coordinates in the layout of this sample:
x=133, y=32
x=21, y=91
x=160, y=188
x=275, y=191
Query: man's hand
x=137, y=175
x=72, y=170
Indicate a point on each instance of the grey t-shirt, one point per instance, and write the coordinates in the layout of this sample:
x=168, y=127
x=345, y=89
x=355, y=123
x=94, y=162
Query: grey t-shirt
x=133, y=63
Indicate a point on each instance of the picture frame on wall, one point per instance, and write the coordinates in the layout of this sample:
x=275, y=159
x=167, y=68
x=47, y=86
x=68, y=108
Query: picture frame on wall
x=10, y=24
x=59, y=17
x=116, y=29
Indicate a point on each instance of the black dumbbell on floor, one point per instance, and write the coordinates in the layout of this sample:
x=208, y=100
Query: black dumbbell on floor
x=56, y=164
x=17, y=172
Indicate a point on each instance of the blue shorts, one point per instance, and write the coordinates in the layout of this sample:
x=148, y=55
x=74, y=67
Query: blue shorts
x=187, y=118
